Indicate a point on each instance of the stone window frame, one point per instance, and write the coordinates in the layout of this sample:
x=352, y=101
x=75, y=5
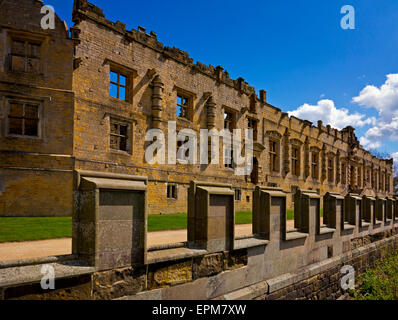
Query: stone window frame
x=274, y=154
x=130, y=123
x=344, y=167
x=26, y=38
x=253, y=123
x=317, y=152
x=382, y=181
x=388, y=178
x=238, y=195
x=359, y=176
x=24, y=101
x=330, y=169
x=180, y=143
x=172, y=191
x=368, y=176
x=295, y=160
x=230, y=165
x=233, y=120
x=129, y=73
x=118, y=84
x=190, y=96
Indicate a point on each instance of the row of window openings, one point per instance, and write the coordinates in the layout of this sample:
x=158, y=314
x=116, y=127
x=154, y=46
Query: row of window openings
x=118, y=89
x=119, y=139
x=295, y=163
x=24, y=120
x=172, y=193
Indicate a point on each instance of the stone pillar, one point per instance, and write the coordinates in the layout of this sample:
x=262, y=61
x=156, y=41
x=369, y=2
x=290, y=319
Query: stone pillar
x=390, y=208
x=333, y=210
x=263, y=96
x=369, y=209
x=211, y=113
x=157, y=102
x=307, y=204
x=211, y=217
x=109, y=219
x=219, y=73
x=380, y=210
x=268, y=202
x=352, y=204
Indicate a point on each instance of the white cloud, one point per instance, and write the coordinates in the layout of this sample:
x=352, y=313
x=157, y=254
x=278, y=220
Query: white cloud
x=326, y=111
x=380, y=132
x=383, y=99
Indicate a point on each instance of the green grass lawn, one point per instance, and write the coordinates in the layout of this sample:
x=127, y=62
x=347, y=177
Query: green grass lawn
x=25, y=229
x=179, y=221
x=29, y=229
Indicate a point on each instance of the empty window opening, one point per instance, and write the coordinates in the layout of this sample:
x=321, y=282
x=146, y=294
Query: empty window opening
x=315, y=165
x=238, y=195
x=23, y=119
x=119, y=136
x=25, y=56
x=183, y=106
x=252, y=124
x=274, y=156
x=296, y=160
x=118, y=85
x=172, y=191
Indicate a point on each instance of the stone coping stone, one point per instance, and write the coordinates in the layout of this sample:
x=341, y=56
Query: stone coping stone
x=173, y=254
x=326, y=230
x=348, y=226
x=249, y=243
x=27, y=262
x=295, y=235
x=32, y=273
x=168, y=246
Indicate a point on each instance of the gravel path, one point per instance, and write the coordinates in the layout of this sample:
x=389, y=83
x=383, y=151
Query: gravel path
x=44, y=248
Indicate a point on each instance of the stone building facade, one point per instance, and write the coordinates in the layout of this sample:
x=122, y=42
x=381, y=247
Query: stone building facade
x=126, y=82
x=36, y=113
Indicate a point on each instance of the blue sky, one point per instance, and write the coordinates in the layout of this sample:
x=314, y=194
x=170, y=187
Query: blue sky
x=296, y=50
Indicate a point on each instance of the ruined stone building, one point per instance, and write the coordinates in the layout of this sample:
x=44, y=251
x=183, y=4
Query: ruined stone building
x=36, y=113
x=86, y=100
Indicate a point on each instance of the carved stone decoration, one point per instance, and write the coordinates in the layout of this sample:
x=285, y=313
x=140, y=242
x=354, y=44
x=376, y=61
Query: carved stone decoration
x=306, y=158
x=157, y=101
x=211, y=113
x=263, y=96
x=286, y=152
x=219, y=73
x=274, y=134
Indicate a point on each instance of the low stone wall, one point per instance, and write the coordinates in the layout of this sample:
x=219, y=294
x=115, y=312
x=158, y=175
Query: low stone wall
x=112, y=260
x=220, y=276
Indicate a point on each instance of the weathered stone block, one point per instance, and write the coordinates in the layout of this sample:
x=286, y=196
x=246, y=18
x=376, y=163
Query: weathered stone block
x=169, y=274
x=208, y=265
